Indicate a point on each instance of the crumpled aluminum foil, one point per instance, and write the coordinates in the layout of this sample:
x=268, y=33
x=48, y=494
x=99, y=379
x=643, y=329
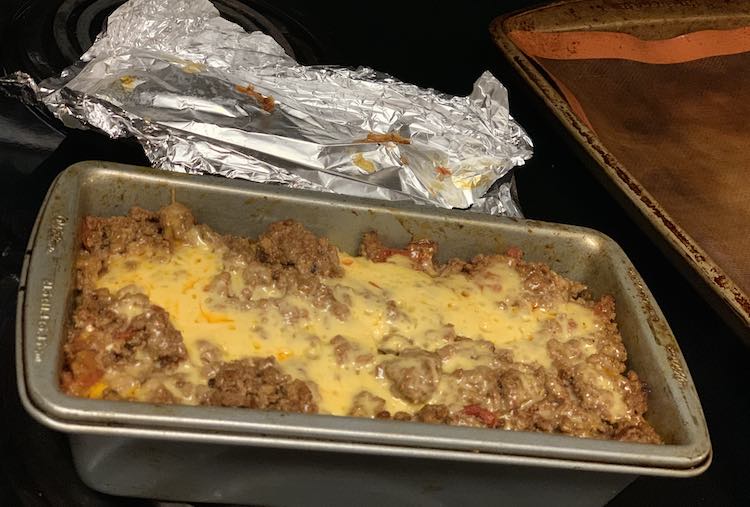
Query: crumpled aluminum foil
x=196, y=89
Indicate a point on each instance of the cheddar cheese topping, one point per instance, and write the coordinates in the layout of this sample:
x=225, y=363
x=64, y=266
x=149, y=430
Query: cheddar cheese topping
x=171, y=312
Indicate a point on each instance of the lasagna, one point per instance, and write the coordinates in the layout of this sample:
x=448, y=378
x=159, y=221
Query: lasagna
x=170, y=311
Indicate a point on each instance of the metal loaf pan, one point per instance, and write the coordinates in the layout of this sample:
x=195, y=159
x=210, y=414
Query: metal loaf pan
x=213, y=454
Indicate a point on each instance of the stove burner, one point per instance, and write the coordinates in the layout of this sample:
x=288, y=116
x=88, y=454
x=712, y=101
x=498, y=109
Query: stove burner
x=78, y=22
x=43, y=37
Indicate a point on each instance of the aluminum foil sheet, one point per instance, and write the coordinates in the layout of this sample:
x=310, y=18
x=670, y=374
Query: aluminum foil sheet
x=204, y=96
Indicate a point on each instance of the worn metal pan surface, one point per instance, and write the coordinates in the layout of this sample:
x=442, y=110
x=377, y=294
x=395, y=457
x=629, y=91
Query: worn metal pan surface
x=676, y=156
x=109, y=435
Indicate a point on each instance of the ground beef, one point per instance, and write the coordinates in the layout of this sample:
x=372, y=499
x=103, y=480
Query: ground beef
x=519, y=396
x=103, y=338
x=242, y=247
x=131, y=341
x=420, y=251
x=394, y=343
x=482, y=351
x=256, y=274
x=520, y=386
x=638, y=432
x=221, y=285
x=288, y=243
x=393, y=313
x=289, y=312
x=443, y=334
x=398, y=416
x=402, y=416
x=542, y=286
x=608, y=339
x=162, y=396
x=285, y=279
x=366, y=404
x=210, y=356
x=259, y=383
x=348, y=354
x=453, y=266
x=435, y=414
x=121, y=234
x=154, y=333
x=139, y=232
x=371, y=248
x=241, y=257
x=587, y=381
x=477, y=386
x=176, y=220
x=311, y=287
x=635, y=394
x=414, y=375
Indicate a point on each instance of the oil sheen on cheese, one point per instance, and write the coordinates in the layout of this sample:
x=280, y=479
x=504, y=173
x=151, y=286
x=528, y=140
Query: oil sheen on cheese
x=386, y=299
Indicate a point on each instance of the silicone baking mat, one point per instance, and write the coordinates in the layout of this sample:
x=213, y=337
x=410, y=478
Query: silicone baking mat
x=661, y=92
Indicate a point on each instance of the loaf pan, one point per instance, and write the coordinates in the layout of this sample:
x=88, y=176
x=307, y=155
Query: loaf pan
x=217, y=454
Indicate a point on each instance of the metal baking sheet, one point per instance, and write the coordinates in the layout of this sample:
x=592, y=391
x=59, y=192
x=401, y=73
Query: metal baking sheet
x=245, y=208
x=679, y=219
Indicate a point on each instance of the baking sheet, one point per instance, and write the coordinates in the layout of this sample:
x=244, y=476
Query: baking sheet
x=661, y=112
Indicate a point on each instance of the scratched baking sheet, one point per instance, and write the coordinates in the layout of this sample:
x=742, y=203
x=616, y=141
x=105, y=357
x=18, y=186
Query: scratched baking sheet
x=663, y=117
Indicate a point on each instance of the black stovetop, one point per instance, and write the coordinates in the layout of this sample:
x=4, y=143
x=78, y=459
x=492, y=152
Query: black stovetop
x=444, y=46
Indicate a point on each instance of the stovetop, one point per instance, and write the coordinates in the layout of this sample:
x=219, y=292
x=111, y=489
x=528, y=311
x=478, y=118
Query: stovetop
x=441, y=45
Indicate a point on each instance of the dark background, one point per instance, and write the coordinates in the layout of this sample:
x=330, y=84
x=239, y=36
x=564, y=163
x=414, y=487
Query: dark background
x=444, y=46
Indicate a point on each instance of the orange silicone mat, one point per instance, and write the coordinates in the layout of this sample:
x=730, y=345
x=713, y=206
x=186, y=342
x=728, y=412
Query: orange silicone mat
x=674, y=113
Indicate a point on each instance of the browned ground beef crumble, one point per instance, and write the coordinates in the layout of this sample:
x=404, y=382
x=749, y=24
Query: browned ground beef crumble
x=501, y=393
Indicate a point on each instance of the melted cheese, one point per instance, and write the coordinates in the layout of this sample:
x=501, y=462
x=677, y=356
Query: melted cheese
x=388, y=298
